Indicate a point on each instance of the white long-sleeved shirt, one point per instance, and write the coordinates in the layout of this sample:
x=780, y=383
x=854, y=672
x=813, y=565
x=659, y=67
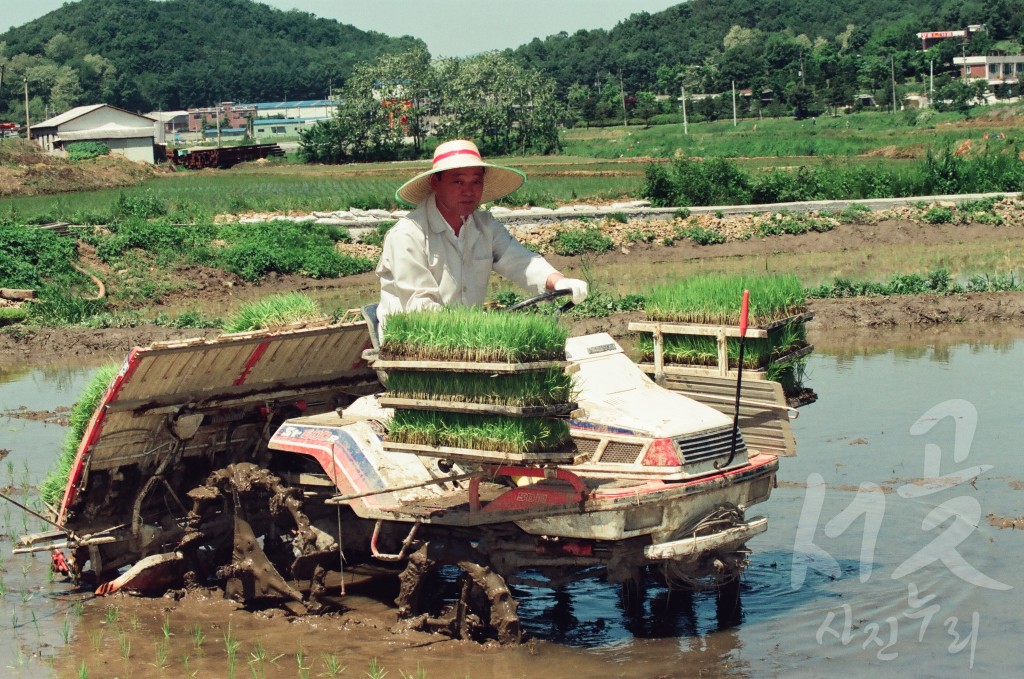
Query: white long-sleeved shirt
x=424, y=265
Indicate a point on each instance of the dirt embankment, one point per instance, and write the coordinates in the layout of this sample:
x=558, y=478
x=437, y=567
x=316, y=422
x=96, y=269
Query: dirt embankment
x=26, y=171
x=217, y=294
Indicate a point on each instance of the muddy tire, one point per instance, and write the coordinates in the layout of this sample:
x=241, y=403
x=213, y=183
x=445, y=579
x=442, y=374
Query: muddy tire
x=485, y=607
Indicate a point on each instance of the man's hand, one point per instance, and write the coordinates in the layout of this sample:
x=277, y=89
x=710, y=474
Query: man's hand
x=579, y=288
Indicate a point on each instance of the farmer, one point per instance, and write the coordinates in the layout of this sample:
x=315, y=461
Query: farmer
x=443, y=252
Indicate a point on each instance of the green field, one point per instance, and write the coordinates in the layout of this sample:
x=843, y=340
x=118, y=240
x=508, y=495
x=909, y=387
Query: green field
x=598, y=164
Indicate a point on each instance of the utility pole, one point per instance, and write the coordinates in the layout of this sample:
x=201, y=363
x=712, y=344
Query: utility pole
x=622, y=95
x=892, y=67
x=963, y=53
x=28, y=122
x=931, y=83
x=217, y=110
x=734, y=103
x=686, y=129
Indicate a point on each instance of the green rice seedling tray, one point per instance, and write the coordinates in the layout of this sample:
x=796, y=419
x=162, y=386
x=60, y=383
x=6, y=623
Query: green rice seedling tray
x=659, y=367
x=484, y=456
x=470, y=366
x=691, y=369
x=555, y=410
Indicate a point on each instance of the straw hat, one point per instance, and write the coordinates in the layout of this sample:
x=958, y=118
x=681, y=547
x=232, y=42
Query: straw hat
x=498, y=181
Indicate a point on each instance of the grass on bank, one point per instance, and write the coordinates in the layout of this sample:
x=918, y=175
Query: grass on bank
x=51, y=490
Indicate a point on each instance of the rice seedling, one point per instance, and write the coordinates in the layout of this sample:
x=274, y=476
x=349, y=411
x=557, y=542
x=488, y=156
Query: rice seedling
x=276, y=310
x=332, y=665
x=470, y=334
x=51, y=490
x=510, y=435
x=231, y=646
x=162, y=651
x=376, y=671
x=300, y=659
x=188, y=672
x=111, y=614
x=533, y=388
x=198, y=637
x=126, y=645
x=716, y=299
x=420, y=673
x=96, y=639
x=83, y=671
x=65, y=630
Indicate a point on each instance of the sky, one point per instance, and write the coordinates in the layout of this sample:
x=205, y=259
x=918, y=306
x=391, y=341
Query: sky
x=450, y=28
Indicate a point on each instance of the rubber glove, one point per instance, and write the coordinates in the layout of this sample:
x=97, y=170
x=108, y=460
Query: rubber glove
x=579, y=288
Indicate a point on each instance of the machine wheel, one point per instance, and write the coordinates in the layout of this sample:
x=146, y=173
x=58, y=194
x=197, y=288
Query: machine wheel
x=221, y=538
x=484, y=607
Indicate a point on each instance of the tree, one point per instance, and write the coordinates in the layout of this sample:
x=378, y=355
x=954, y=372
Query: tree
x=647, y=106
x=506, y=108
x=580, y=104
x=489, y=98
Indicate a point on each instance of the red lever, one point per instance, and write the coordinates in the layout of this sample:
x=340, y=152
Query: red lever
x=743, y=313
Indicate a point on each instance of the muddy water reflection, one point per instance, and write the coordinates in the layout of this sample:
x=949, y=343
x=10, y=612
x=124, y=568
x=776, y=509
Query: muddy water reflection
x=37, y=612
x=878, y=555
x=878, y=552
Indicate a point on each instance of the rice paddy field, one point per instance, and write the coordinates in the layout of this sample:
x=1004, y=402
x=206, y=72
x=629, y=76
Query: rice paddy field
x=871, y=134
x=596, y=165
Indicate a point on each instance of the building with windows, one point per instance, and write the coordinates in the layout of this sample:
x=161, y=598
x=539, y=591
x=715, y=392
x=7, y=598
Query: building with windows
x=996, y=70
x=226, y=114
x=125, y=133
x=310, y=109
x=279, y=127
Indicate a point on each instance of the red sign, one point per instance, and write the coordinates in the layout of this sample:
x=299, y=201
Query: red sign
x=940, y=34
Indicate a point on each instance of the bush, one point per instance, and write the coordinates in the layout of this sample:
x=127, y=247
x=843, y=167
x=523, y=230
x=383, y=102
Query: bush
x=86, y=150
x=56, y=308
x=717, y=181
x=30, y=257
x=573, y=242
x=938, y=215
x=853, y=213
x=164, y=240
x=376, y=237
x=254, y=250
x=700, y=235
x=143, y=205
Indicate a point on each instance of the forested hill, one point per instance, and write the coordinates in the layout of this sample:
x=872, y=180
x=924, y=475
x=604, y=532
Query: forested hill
x=717, y=36
x=144, y=55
